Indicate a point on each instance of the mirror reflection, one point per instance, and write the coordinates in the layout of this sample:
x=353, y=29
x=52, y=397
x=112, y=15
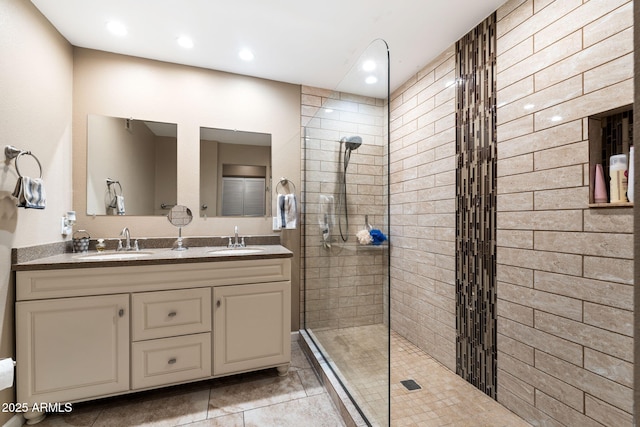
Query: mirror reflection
x=235, y=172
x=131, y=166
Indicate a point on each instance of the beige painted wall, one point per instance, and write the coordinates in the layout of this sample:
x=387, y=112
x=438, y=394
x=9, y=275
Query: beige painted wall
x=124, y=86
x=35, y=114
x=129, y=158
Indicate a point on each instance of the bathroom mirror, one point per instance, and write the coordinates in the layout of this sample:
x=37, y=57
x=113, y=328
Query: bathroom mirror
x=235, y=173
x=131, y=166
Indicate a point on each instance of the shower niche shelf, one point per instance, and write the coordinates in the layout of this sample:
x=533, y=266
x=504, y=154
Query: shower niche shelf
x=610, y=133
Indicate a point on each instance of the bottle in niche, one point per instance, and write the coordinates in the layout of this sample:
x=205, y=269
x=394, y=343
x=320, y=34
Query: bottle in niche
x=600, y=192
x=618, y=178
x=630, y=178
x=101, y=245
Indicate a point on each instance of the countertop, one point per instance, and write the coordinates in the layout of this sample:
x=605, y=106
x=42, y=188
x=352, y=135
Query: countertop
x=92, y=259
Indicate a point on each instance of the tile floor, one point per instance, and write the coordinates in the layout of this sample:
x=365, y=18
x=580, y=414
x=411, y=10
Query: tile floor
x=255, y=399
x=263, y=399
x=445, y=399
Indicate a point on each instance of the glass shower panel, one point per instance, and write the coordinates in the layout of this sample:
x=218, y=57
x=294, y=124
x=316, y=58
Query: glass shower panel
x=346, y=226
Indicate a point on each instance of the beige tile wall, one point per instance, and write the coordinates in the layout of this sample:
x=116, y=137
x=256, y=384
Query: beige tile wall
x=565, y=275
x=423, y=209
x=564, y=270
x=344, y=284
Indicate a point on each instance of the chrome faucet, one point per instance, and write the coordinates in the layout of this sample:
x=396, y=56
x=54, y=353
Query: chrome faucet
x=127, y=239
x=236, y=244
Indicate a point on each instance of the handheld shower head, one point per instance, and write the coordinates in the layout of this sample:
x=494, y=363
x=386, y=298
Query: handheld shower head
x=352, y=142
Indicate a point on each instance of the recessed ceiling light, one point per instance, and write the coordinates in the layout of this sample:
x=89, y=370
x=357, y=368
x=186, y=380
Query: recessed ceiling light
x=369, y=65
x=185, y=42
x=246, y=55
x=556, y=118
x=371, y=80
x=117, y=28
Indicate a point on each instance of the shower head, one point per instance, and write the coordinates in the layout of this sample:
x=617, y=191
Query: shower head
x=352, y=142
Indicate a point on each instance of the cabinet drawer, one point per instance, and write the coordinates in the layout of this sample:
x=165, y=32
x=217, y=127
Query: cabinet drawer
x=170, y=313
x=170, y=360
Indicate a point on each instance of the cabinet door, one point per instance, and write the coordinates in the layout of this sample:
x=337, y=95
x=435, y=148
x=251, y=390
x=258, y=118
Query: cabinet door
x=251, y=326
x=72, y=348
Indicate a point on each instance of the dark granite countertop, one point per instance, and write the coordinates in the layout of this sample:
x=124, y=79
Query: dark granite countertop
x=156, y=256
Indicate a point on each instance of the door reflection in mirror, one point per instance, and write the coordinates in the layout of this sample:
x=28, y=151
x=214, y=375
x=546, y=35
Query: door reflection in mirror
x=235, y=172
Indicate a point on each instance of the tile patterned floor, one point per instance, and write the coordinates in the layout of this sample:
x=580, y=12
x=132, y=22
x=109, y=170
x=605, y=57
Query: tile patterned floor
x=445, y=399
x=260, y=399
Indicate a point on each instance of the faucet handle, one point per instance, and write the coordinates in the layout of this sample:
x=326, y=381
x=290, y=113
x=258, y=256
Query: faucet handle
x=242, y=245
x=136, y=247
x=230, y=245
x=119, y=248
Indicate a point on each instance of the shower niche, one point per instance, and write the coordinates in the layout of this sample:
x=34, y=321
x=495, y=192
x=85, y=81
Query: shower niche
x=610, y=134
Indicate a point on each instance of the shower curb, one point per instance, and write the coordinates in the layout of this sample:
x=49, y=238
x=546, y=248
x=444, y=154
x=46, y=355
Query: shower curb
x=348, y=411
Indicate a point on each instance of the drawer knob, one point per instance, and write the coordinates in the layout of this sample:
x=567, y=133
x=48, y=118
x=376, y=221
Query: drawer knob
x=121, y=312
x=172, y=361
x=172, y=314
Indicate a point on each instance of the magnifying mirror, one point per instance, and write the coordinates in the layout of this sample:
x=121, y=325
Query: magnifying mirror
x=180, y=216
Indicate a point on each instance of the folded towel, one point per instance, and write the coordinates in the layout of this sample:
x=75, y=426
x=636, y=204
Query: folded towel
x=30, y=193
x=120, y=205
x=286, y=211
x=281, y=211
x=291, y=211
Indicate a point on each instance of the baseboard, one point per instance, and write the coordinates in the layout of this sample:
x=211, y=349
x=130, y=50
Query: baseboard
x=16, y=421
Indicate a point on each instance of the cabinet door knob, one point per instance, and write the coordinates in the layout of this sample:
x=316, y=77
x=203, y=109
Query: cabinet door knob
x=172, y=361
x=218, y=303
x=172, y=314
x=121, y=312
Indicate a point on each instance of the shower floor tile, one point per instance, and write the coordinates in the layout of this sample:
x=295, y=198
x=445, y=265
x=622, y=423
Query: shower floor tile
x=445, y=399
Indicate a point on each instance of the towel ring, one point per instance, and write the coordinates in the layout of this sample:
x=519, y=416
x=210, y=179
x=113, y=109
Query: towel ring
x=30, y=154
x=110, y=182
x=284, y=182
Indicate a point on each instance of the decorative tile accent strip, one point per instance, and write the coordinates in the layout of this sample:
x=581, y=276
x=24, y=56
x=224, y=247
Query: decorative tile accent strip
x=476, y=149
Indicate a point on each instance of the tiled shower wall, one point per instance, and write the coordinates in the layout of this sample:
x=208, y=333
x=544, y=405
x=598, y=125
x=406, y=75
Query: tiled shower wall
x=565, y=272
x=423, y=220
x=565, y=294
x=345, y=284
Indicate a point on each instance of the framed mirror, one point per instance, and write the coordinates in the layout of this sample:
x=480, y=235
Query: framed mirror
x=131, y=166
x=235, y=173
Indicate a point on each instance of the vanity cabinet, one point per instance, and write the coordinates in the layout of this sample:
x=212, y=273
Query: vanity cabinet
x=95, y=332
x=251, y=327
x=72, y=348
x=171, y=340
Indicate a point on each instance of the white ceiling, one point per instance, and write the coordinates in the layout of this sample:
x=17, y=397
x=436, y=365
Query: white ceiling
x=294, y=41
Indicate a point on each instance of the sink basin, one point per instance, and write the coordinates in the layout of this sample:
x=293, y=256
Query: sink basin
x=236, y=251
x=101, y=256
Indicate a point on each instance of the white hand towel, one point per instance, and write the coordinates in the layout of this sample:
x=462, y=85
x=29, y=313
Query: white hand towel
x=120, y=205
x=30, y=193
x=291, y=211
x=281, y=212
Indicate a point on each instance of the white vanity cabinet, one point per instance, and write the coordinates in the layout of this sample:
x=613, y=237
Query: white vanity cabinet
x=171, y=340
x=72, y=348
x=83, y=333
x=251, y=327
